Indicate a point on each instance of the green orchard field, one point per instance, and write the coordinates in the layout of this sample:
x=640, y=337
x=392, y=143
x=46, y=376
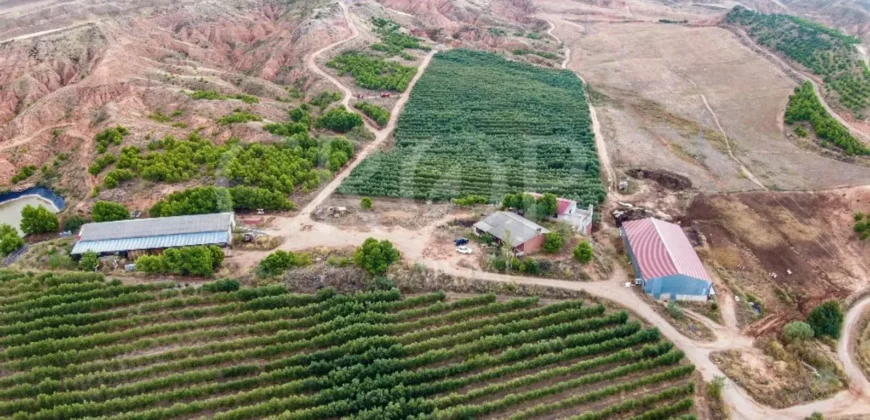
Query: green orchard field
x=478, y=124
x=79, y=346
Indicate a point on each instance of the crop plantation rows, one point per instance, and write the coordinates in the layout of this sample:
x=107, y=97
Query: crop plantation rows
x=478, y=124
x=826, y=51
x=78, y=346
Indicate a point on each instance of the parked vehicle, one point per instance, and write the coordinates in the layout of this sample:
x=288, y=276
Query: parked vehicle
x=460, y=241
x=463, y=250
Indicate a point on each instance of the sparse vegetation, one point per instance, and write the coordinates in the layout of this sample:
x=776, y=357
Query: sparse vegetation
x=24, y=173
x=459, y=137
x=90, y=261
x=199, y=261
x=543, y=54
x=35, y=220
x=862, y=226
x=373, y=72
x=239, y=116
x=101, y=163
x=804, y=105
x=393, y=41
x=217, y=96
x=323, y=100
x=379, y=114
x=366, y=203
x=163, y=351
x=111, y=137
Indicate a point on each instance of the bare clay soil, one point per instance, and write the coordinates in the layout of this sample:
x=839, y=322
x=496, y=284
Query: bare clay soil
x=792, y=250
x=651, y=84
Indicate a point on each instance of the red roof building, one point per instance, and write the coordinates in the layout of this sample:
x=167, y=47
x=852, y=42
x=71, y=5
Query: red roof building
x=665, y=261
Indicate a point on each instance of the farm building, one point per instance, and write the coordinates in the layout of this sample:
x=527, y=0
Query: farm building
x=526, y=236
x=568, y=212
x=143, y=235
x=667, y=265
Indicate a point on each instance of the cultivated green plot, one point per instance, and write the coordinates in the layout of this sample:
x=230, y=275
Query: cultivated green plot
x=478, y=124
x=76, y=346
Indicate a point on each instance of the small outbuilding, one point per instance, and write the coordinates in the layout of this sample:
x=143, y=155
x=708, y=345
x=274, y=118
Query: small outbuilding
x=568, y=211
x=526, y=236
x=155, y=234
x=667, y=265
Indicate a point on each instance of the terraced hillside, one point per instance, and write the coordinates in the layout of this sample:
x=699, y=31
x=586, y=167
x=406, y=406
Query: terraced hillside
x=480, y=124
x=77, y=346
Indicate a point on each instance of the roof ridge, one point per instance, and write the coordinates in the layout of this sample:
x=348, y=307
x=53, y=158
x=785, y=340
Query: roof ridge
x=665, y=243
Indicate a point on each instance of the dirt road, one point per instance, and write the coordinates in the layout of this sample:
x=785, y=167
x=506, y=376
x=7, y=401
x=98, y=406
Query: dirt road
x=380, y=135
x=603, y=156
x=858, y=382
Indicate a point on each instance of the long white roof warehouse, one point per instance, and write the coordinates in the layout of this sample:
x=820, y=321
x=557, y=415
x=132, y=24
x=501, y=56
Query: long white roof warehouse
x=156, y=233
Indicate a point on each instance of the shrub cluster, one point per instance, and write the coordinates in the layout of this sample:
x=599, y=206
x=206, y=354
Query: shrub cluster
x=373, y=72
x=379, y=114
x=200, y=261
x=107, y=211
x=339, y=119
x=203, y=200
x=111, y=137
x=279, y=262
x=38, y=219
x=24, y=173
x=10, y=240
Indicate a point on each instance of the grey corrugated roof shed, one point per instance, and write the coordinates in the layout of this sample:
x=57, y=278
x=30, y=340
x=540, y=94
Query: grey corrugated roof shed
x=501, y=222
x=163, y=232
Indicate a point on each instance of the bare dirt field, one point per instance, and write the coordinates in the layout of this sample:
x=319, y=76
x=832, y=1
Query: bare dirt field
x=791, y=250
x=662, y=92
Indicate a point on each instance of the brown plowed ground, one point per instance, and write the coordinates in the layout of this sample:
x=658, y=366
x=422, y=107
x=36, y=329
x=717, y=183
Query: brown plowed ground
x=754, y=239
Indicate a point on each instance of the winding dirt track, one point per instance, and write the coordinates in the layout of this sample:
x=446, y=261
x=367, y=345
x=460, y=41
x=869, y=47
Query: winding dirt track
x=306, y=233
x=603, y=157
x=380, y=135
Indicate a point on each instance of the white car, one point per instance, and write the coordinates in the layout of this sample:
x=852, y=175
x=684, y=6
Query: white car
x=463, y=250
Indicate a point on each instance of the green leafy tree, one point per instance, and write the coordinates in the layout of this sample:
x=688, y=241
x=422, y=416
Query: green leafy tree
x=10, y=240
x=38, y=220
x=583, y=253
x=340, y=120
x=74, y=222
x=366, y=203
x=547, y=205
x=827, y=319
x=279, y=262
x=90, y=261
x=376, y=256
x=554, y=242
x=107, y=211
x=797, y=331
